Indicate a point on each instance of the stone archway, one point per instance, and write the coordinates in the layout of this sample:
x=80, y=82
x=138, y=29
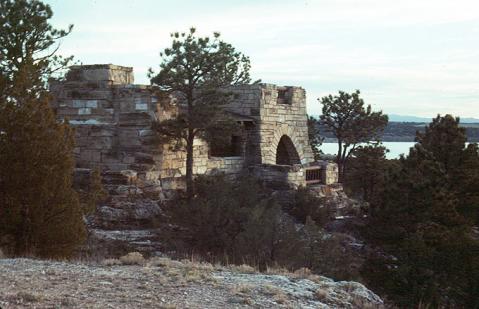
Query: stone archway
x=286, y=153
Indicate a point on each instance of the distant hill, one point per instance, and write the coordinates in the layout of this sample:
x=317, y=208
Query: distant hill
x=416, y=119
x=406, y=131
x=405, y=118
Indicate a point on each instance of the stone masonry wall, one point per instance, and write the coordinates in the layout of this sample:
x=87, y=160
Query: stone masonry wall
x=274, y=118
x=113, y=118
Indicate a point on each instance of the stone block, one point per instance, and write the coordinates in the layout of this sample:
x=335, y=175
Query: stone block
x=84, y=111
x=91, y=103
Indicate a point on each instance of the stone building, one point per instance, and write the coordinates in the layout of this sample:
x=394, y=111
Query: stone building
x=113, y=117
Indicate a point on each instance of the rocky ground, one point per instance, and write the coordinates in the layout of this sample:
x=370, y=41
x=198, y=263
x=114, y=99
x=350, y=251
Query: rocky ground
x=132, y=282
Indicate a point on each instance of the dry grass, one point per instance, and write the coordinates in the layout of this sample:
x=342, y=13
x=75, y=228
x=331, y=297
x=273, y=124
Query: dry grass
x=350, y=286
x=276, y=293
x=67, y=302
x=164, y=262
x=132, y=258
x=184, y=271
x=199, y=265
x=242, y=289
x=243, y=268
x=360, y=302
x=303, y=273
x=316, y=278
x=111, y=262
x=197, y=275
x=271, y=290
x=277, y=271
x=321, y=294
x=281, y=298
x=29, y=297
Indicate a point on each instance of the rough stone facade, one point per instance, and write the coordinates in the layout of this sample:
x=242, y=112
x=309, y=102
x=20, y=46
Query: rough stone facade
x=113, y=118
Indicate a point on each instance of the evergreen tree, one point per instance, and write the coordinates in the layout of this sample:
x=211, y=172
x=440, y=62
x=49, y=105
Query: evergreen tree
x=38, y=206
x=445, y=140
x=196, y=70
x=425, y=241
x=351, y=123
x=314, y=135
x=28, y=46
x=465, y=182
x=367, y=173
x=39, y=211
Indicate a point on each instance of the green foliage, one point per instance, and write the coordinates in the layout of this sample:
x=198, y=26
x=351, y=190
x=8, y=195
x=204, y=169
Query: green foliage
x=351, y=123
x=228, y=216
x=313, y=238
x=28, y=48
x=314, y=135
x=465, y=182
x=445, y=140
x=197, y=71
x=93, y=193
x=38, y=207
x=39, y=211
x=214, y=218
x=307, y=205
x=238, y=221
x=368, y=171
x=429, y=255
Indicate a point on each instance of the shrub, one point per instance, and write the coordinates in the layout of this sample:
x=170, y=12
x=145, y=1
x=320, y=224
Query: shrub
x=243, y=268
x=236, y=221
x=212, y=220
x=239, y=222
x=132, y=258
x=321, y=294
x=111, y=262
x=39, y=209
x=302, y=272
x=306, y=204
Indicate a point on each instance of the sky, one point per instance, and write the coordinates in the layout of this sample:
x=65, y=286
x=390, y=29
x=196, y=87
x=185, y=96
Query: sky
x=408, y=57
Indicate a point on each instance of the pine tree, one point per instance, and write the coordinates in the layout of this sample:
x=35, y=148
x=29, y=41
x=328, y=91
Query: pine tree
x=367, y=172
x=28, y=48
x=39, y=207
x=426, y=242
x=196, y=70
x=465, y=182
x=351, y=123
x=39, y=210
x=445, y=140
x=314, y=135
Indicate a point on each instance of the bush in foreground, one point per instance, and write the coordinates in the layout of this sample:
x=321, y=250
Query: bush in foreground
x=240, y=222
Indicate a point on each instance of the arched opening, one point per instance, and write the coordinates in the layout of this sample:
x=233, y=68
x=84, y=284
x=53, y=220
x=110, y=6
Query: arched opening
x=286, y=153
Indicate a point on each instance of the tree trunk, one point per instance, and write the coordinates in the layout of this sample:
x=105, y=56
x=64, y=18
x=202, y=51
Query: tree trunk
x=189, y=164
x=339, y=160
x=23, y=245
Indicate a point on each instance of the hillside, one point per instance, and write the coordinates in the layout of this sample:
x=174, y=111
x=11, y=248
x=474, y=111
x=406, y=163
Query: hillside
x=164, y=283
x=406, y=131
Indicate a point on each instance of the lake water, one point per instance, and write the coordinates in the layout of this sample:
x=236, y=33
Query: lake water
x=395, y=148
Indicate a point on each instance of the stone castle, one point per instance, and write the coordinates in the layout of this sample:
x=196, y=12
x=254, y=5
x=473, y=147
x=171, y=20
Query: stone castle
x=113, y=120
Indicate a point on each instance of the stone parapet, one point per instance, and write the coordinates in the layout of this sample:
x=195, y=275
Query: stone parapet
x=114, y=74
